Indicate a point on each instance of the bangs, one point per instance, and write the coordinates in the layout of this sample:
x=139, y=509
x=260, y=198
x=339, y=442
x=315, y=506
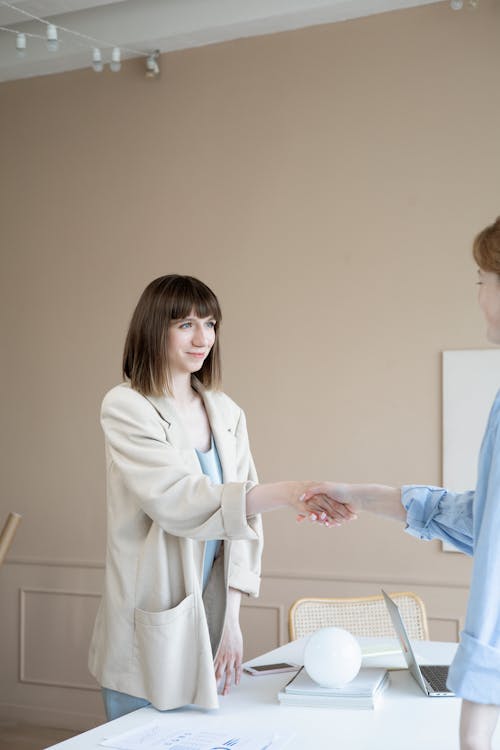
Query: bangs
x=192, y=294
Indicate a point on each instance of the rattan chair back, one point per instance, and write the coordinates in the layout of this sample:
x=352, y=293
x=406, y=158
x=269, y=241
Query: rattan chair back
x=361, y=616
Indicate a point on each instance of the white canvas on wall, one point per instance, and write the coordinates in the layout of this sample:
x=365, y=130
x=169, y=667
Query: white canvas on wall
x=471, y=379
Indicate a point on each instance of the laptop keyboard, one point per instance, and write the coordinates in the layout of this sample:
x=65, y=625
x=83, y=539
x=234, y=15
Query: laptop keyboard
x=436, y=677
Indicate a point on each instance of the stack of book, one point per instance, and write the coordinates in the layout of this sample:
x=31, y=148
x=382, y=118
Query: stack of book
x=365, y=691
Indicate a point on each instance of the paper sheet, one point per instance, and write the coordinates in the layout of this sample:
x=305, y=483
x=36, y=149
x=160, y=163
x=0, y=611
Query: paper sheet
x=153, y=736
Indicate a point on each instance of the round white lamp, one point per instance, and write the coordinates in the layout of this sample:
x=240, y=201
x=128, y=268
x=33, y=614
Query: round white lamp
x=332, y=657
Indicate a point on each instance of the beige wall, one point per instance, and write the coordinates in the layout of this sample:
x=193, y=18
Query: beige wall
x=327, y=184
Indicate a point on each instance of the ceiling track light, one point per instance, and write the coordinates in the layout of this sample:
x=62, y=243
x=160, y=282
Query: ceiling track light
x=116, y=60
x=52, y=38
x=52, y=31
x=97, y=63
x=21, y=45
x=152, y=64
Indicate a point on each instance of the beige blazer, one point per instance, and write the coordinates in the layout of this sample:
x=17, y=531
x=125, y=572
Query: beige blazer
x=155, y=636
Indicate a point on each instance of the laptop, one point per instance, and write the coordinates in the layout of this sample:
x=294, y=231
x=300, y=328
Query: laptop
x=430, y=678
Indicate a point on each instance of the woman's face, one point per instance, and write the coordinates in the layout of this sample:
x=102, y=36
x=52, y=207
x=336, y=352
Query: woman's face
x=489, y=302
x=189, y=341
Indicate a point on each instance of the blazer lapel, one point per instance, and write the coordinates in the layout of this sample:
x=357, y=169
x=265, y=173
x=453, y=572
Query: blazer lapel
x=222, y=430
x=220, y=423
x=164, y=405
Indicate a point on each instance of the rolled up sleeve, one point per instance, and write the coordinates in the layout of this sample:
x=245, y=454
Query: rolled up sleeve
x=475, y=671
x=233, y=506
x=241, y=577
x=436, y=513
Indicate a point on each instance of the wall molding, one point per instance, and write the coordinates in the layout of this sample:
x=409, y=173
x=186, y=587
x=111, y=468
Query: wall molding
x=279, y=574
x=456, y=621
x=23, y=677
x=280, y=609
x=378, y=580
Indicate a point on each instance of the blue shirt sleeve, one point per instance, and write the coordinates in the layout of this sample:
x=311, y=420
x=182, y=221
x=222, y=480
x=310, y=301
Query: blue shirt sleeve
x=436, y=513
x=475, y=672
x=470, y=521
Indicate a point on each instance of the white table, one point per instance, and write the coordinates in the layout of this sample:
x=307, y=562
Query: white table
x=405, y=720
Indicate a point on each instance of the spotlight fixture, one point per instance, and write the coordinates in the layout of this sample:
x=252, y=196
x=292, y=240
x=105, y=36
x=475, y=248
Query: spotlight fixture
x=116, y=60
x=95, y=46
x=152, y=66
x=21, y=45
x=52, y=40
x=97, y=60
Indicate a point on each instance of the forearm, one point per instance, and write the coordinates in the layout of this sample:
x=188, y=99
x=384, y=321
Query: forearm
x=227, y=663
x=379, y=499
x=477, y=724
x=266, y=497
x=233, y=603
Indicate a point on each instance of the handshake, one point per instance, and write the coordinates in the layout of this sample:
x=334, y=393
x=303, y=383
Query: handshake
x=327, y=503
x=333, y=503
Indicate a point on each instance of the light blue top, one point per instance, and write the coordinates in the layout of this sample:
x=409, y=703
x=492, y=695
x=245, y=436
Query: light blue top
x=471, y=522
x=211, y=466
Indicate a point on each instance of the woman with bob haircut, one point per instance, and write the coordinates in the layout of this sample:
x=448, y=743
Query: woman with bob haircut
x=184, y=536
x=470, y=521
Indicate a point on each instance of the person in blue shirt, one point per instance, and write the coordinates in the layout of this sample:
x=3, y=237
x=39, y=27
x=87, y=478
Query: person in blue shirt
x=470, y=521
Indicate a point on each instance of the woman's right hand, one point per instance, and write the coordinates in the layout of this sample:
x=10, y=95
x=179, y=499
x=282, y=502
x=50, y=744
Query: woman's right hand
x=265, y=497
x=330, y=503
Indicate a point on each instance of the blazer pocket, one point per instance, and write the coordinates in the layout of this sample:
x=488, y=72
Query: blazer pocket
x=167, y=653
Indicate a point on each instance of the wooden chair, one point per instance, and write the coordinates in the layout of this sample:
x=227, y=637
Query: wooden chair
x=7, y=534
x=361, y=616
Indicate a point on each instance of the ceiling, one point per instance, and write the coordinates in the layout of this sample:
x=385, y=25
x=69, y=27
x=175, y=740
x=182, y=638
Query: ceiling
x=141, y=26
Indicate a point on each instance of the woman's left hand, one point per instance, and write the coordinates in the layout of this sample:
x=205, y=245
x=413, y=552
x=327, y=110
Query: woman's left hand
x=229, y=656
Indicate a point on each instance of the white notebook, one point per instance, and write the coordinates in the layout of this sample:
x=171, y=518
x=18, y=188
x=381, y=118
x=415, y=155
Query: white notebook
x=365, y=691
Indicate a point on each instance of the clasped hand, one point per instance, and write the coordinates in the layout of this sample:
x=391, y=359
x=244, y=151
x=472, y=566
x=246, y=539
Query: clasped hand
x=328, y=503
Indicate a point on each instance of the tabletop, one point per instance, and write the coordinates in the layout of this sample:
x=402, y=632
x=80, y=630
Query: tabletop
x=405, y=718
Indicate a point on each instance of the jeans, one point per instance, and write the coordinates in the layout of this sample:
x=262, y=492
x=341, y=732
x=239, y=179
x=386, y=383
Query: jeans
x=117, y=704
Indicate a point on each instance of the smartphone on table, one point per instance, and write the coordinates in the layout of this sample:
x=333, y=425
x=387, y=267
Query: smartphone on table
x=256, y=669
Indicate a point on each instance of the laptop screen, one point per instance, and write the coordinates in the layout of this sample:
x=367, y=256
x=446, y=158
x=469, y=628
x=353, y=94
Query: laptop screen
x=404, y=641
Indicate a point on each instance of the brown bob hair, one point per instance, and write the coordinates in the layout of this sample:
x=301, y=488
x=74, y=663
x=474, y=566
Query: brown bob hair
x=145, y=355
x=486, y=248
